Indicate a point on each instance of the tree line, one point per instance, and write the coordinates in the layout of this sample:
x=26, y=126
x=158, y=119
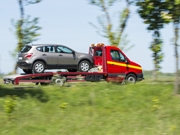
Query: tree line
x=155, y=14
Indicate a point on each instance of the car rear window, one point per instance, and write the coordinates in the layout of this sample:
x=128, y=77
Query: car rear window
x=26, y=49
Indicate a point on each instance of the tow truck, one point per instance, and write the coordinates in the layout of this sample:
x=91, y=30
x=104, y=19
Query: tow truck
x=110, y=64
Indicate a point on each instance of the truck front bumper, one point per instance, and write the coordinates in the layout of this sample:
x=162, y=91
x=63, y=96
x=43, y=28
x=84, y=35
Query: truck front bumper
x=140, y=77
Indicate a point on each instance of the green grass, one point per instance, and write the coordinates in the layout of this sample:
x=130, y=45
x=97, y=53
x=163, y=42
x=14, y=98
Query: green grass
x=91, y=109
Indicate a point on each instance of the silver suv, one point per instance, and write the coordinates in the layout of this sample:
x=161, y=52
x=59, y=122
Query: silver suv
x=37, y=58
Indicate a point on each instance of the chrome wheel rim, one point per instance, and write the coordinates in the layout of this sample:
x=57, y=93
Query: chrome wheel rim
x=84, y=66
x=131, y=79
x=39, y=67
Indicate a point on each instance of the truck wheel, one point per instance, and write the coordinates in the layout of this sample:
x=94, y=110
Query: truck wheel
x=27, y=71
x=131, y=78
x=59, y=82
x=38, y=67
x=84, y=66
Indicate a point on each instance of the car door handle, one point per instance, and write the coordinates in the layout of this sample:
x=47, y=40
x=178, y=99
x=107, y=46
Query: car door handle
x=60, y=55
x=44, y=55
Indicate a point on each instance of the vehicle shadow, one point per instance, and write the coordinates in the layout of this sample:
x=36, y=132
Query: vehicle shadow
x=23, y=92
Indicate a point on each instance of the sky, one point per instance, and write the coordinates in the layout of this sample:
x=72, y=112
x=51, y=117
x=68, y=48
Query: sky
x=68, y=23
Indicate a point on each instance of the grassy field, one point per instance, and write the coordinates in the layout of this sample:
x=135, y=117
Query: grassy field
x=145, y=108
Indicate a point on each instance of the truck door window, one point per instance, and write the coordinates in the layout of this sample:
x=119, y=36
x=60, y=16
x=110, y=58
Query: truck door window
x=117, y=56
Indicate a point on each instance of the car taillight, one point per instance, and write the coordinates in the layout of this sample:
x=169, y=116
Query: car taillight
x=28, y=55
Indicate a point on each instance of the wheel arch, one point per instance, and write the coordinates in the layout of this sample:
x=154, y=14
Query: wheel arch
x=131, y=73
x=90, y=62
x=45, y=64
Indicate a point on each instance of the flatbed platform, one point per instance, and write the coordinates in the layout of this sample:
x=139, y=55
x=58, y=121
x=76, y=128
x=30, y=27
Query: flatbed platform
x=61, y=77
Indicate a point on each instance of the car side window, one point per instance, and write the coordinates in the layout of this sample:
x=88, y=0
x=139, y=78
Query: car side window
x=49, y=49
x=117, y=56
x=62, y=49
x=40, y=49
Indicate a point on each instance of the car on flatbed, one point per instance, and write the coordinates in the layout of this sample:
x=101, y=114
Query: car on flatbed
x=39, y=57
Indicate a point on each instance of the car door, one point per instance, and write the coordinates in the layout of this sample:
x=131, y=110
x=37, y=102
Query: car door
x=50, y=56
x=66, y=57
x=118, y=64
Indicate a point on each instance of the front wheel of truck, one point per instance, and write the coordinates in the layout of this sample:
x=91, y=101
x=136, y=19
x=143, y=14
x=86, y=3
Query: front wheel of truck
x=131, y=78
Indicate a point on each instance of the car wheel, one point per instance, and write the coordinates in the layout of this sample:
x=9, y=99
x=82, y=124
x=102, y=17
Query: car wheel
x=38, y=67
x=84, y=66
x=131, y=78
x=27, y=71
x=72, y=70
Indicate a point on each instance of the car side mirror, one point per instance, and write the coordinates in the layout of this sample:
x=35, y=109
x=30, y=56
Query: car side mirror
x=73, y=52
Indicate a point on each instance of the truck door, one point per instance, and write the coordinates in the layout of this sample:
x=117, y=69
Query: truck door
x=117, y=63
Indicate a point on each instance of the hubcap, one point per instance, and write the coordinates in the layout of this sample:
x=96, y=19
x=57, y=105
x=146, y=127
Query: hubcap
x=59, y=82
x=39, y=67
x=84, y=67
x=131, y=79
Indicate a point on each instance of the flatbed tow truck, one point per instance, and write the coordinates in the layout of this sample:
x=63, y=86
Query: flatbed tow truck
x=110, y=64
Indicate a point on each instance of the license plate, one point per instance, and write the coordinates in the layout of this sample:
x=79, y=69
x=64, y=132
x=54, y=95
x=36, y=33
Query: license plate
x=20, y=58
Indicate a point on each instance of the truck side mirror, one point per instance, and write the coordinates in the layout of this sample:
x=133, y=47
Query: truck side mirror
x=126, y=61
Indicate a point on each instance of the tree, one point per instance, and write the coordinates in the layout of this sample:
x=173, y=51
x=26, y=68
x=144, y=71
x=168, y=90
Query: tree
x=25, y=29
x=173, y=15
x=151, y=11
x=115, y=37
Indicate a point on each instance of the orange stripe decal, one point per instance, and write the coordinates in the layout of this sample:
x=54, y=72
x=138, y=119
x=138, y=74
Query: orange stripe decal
x=124, y=65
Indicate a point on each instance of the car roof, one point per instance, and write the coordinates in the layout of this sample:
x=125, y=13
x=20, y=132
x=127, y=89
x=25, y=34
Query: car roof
x=49, y=45
x=46, y=45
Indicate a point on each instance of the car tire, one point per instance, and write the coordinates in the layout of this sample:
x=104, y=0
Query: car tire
x=84, y=66
x=27, y=71
x=38, y=67
x=131, y=78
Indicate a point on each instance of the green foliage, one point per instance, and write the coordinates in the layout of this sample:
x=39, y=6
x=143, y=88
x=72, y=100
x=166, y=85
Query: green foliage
x=94, y=108
x=173, y=10
x=9, y=105
x=26, y=31
x=156, y=47
x=113, y=33
x=154, y=14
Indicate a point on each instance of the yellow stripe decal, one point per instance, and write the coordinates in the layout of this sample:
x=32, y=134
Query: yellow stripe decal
x=124, y=65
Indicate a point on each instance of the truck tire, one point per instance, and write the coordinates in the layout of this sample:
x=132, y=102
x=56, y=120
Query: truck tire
x=59, y=82
x=38, y=67
x=131, y=78
x=84, y=66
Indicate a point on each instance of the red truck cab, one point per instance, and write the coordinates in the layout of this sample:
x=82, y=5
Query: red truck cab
x=115, y=62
